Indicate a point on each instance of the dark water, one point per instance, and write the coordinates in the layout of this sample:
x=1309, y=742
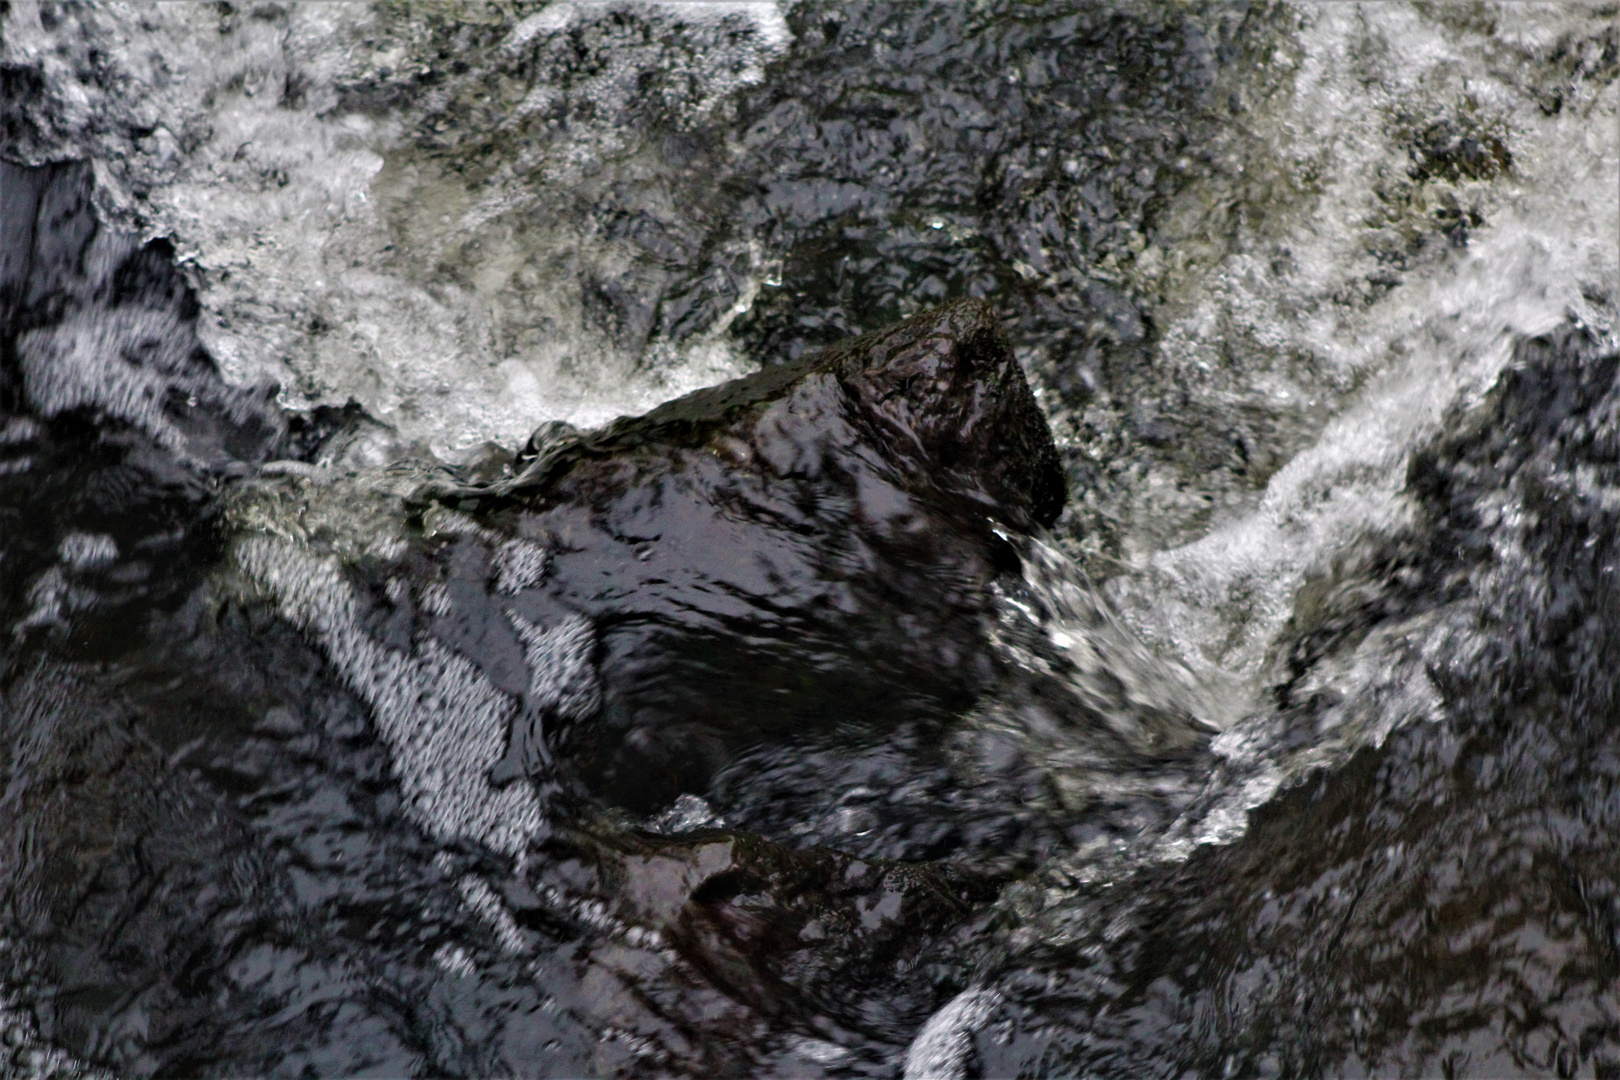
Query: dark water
x=1444, y=903
x=802, y=728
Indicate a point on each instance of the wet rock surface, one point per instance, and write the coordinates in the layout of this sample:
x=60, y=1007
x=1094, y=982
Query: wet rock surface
x=803, y=726
x=802, y=553
x=415, y=730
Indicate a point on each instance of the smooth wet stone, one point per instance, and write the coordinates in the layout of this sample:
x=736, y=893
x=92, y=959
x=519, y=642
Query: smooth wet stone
x=800, y=552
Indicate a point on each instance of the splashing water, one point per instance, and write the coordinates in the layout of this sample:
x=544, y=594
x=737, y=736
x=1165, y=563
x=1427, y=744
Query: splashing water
x=1319, y=301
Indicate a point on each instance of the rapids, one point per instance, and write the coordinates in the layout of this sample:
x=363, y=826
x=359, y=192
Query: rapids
x=1195, y=654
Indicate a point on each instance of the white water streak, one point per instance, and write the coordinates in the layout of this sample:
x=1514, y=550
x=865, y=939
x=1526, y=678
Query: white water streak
x=445, y=725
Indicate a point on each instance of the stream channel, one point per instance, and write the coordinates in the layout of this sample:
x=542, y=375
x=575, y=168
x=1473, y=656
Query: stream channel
x=810, y=539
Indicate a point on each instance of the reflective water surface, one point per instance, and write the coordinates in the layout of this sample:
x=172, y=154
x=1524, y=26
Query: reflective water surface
x=1176, y=639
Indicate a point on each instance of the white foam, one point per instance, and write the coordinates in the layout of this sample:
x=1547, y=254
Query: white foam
x=1436, y=341
x=688, y=813
x=479, y=896
x=1434, y=344
x=940, y=1050
x=317, y=233
x=519, y=564
x=562, y=679
x=444, y=723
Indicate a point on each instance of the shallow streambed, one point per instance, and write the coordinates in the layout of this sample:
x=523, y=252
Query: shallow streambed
x=1193, y=654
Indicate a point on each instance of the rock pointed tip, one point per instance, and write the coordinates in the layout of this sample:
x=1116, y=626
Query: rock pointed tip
x=948, y=380
x=940, y=395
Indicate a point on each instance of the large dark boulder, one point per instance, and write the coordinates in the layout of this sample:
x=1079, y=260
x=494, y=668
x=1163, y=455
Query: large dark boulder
x=939, y=397
x=802, y=553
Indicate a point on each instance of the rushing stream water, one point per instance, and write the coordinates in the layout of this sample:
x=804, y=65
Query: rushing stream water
x=1178, y=639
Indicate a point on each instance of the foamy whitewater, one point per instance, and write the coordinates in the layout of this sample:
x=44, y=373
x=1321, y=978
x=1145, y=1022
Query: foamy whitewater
x=340, y=261
x=472, y=222
x=1390, y=374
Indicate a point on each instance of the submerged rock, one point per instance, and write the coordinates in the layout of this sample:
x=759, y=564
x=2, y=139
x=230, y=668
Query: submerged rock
x=459, y=742
x=786, y=595
x=801, y=550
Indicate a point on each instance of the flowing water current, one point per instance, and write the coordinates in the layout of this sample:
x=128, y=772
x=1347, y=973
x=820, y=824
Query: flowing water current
x=1179, y=639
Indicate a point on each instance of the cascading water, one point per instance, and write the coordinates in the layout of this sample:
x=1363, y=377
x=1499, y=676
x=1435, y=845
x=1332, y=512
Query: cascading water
x=365, y=713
